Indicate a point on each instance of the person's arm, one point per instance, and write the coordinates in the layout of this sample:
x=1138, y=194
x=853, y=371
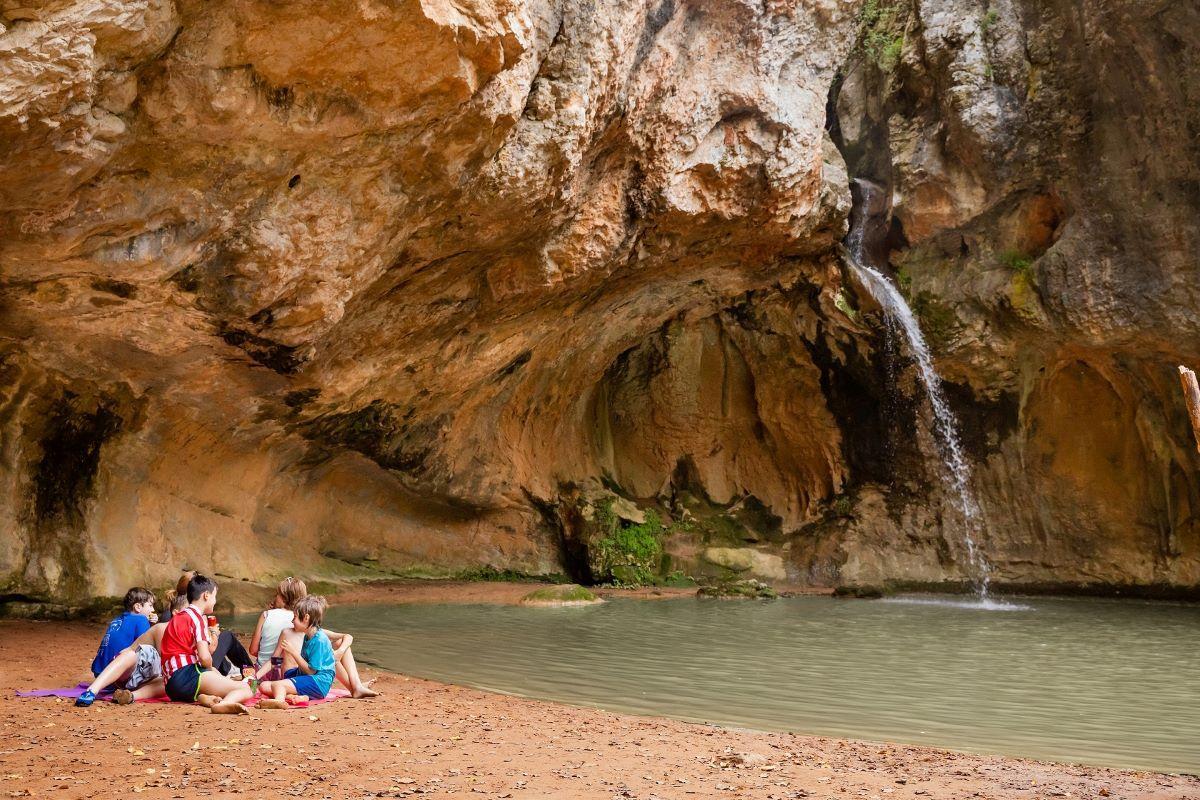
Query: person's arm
x=294, y=652
x=257, y=640
x=203, y=649
x=340, y=642
x=204, y=653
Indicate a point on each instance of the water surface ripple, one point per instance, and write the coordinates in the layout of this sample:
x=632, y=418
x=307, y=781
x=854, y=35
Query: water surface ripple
x=1113, y=683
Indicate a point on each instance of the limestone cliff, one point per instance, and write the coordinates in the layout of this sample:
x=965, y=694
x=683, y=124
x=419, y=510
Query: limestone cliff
x=383, y=286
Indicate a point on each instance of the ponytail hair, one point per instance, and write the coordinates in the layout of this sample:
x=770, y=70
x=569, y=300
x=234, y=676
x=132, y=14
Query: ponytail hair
x=174, y=602
x=184, y=580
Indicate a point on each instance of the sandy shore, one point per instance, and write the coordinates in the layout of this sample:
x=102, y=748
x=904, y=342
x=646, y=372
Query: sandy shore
x=432, y=740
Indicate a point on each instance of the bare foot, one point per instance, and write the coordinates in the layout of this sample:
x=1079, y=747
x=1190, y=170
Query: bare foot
x=122, y=697
x=272, y=703
x=293, y=699
x=229, y=708
x=364, y=691
x=207, y=700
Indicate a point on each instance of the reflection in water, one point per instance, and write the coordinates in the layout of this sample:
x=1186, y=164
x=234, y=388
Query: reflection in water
x=1101, y=682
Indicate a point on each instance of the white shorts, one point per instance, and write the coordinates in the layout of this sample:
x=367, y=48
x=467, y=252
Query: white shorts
x=147, y=668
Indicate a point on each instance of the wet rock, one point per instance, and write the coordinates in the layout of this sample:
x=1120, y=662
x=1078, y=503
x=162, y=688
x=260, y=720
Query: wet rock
x=569, y=594
x=749, y=589
x=627, y=510
x=861, y=592
x=747, y=560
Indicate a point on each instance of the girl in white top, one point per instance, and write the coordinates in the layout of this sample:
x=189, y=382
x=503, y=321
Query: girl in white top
x=276, y=620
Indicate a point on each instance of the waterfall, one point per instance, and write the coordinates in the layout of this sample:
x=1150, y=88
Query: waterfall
x=945, y=426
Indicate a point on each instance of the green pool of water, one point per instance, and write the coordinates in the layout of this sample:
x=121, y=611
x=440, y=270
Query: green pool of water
x=1113, y=683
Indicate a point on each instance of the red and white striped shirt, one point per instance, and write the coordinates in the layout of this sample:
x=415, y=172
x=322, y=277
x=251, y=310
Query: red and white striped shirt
x=179, y=640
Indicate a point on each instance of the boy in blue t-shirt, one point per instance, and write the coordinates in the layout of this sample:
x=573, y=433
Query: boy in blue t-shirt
x=137, y=618
x=315, y=663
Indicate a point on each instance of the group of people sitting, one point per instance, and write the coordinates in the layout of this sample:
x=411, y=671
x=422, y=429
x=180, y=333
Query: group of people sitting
x=188, y=658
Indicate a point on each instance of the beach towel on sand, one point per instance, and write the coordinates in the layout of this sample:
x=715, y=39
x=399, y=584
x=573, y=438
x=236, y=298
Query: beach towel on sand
x=74, y=692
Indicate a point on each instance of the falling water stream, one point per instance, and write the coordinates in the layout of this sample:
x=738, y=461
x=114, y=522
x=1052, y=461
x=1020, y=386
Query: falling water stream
x=956, y=468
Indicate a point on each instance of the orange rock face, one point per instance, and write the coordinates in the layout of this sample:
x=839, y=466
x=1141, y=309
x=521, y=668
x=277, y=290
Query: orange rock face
x=294, y=285
x=365, y=287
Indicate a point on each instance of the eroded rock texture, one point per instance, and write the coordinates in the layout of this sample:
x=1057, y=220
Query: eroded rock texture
x=413, y=286
x=1045, y=177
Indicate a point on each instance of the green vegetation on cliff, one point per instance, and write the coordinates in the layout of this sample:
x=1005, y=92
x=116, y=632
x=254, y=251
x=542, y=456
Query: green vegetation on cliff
x=1016, y=261
x=881, y=33
x=628, y=554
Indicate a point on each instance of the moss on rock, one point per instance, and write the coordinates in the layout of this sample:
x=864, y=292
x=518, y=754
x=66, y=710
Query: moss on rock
x=749, y=589
x=570, y=594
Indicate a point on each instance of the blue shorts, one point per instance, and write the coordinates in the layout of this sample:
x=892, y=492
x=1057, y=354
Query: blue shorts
x=305, y=684
x=184, y=684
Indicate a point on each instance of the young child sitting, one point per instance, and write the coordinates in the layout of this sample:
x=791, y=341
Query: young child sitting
x=187, y=656
x=136, y=671
x=313, y=674
x=121, y=633
x=276, y=619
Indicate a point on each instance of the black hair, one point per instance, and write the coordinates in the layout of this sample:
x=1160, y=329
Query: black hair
x=137, y=595
x=198, y=585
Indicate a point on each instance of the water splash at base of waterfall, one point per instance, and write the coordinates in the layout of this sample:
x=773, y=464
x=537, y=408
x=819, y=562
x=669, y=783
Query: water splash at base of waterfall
x=977, y=604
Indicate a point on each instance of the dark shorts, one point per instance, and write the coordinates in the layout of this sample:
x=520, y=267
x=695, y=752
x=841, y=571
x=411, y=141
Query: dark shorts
x=184, y=685
x=305, y=684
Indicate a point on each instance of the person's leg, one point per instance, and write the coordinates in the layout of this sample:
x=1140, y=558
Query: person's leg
x=147, y=669
x=352, y=680
x=277, y=692
x=296, y=638
x=151, y=690
x=231, y=692
x=147, y=691
x=343, y=677
x=117, y=670
x=237, y=654
x=220, y=661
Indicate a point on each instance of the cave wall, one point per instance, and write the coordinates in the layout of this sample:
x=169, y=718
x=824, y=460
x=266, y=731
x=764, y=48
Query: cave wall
x=371, y=288
x=1044, y=196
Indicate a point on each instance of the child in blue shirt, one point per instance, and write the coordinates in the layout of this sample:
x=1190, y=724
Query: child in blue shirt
x=315, y=663
x=122, y=631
